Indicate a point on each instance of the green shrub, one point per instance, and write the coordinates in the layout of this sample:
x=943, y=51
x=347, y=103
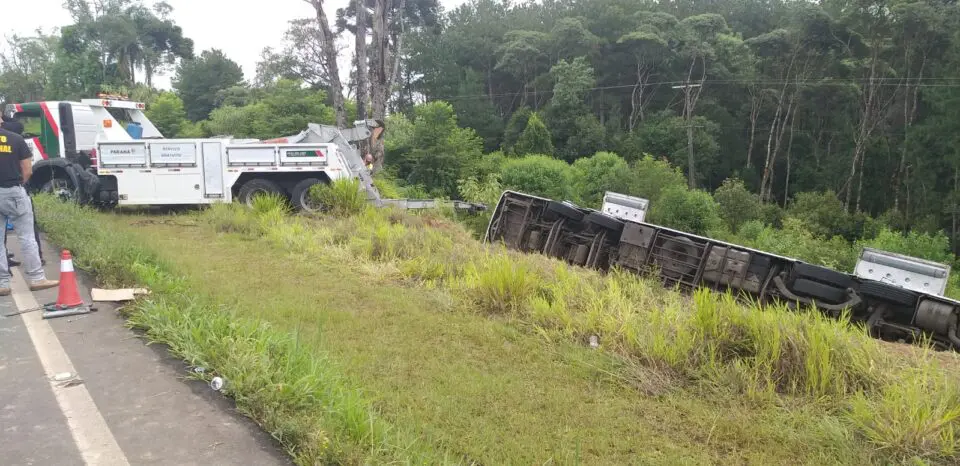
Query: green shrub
x=737, y=205
x=826, y=217
x=693, y=211
x=270, y=203
x=772, y=214
x=651, y=176
x=342, y=197
x=499, y=284
x=388, y=186
x=931, y=247
x=604, y=171
x=796, y=240
x=539, y=175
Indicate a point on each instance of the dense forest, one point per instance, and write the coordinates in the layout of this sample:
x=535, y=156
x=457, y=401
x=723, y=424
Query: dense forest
x=835, y=121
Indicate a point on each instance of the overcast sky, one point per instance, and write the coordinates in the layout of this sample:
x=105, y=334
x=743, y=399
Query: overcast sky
x=239, y=30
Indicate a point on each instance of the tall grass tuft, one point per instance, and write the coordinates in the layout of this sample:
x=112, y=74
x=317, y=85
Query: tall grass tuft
x=342, y=197
x=916, y=414
x=499, y=285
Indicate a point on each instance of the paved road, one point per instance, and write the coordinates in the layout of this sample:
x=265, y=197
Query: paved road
x=133, y=407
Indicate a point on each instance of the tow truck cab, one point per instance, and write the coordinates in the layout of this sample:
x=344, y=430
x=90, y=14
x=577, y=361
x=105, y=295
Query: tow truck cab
x=55, y=129
x=63, y=136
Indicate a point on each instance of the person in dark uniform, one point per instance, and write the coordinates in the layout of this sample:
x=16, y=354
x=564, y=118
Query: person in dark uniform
x=16, y=167
x=11, y=124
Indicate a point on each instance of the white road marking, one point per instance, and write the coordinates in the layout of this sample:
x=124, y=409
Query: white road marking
x=90, y=432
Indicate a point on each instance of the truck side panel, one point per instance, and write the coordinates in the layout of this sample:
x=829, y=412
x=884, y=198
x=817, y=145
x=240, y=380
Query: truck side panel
x=204, y=171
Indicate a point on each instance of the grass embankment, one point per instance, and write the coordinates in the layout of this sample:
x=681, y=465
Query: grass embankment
x=465, y=352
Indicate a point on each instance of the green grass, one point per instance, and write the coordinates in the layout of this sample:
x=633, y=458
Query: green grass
x=341, y=197
x=468, y=352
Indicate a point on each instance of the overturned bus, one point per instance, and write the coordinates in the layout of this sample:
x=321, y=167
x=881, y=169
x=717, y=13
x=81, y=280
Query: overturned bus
x=897, y=297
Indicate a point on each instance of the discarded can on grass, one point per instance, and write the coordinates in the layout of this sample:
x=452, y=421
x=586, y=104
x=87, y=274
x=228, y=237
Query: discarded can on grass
x=199, y=370
x=217, y=383
x=594, y=341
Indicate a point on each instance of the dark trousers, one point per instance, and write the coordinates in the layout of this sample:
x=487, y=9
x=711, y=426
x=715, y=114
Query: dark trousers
x=36, y=234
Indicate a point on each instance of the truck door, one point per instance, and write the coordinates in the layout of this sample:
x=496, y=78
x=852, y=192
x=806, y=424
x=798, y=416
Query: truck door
x=212, y=170
x=40, y=129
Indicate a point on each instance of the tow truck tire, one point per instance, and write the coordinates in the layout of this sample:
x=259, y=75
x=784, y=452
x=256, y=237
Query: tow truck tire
x=822, y=274
x=300, y=196
x=258, y=186
x=565, y=210
x=61, y=187
x=889, y=293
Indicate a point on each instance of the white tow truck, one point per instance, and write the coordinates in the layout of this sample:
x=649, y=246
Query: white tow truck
x=82, y=152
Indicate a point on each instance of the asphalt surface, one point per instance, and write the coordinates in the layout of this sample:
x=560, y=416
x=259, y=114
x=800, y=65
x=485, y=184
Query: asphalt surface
x=134, y=405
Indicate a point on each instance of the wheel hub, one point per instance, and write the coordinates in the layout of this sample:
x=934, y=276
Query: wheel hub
x=309, y=203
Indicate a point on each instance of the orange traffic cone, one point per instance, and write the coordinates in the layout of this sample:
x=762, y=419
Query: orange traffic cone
x=69, y=293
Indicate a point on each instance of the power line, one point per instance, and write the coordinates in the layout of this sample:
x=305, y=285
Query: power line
x=882, y=82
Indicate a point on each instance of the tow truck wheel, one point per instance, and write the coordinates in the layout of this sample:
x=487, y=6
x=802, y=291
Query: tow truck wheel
x=255, y=187
x=61, y=188
x=301, y=198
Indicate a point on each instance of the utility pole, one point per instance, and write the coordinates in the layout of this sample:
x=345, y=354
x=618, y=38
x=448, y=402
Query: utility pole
x=688, y=102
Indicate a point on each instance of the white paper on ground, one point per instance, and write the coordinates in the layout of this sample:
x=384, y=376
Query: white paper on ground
x=123, y=294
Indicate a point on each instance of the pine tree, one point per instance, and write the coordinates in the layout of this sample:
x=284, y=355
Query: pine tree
x=535, y=139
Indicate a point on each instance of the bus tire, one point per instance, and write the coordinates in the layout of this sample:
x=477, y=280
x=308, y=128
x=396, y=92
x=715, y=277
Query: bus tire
x=819, y=291
x=890, y=293
x=823, y=275
x=604, y=221
x=565, y=210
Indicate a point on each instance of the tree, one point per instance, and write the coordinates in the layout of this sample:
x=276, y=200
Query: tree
x=736, y=204
x=535, y=138
x=667, y=135
x=125, y=36
x=516, y=125
x=432, y=151
x=391, y=19
x=522, y=56
x=568, y=114
x=167, y=114
x=921, y=29
x=198, y=81
x=280, y=109
x=319, y=36
x=25, y=67
x=700, y=35
x=649, y=48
